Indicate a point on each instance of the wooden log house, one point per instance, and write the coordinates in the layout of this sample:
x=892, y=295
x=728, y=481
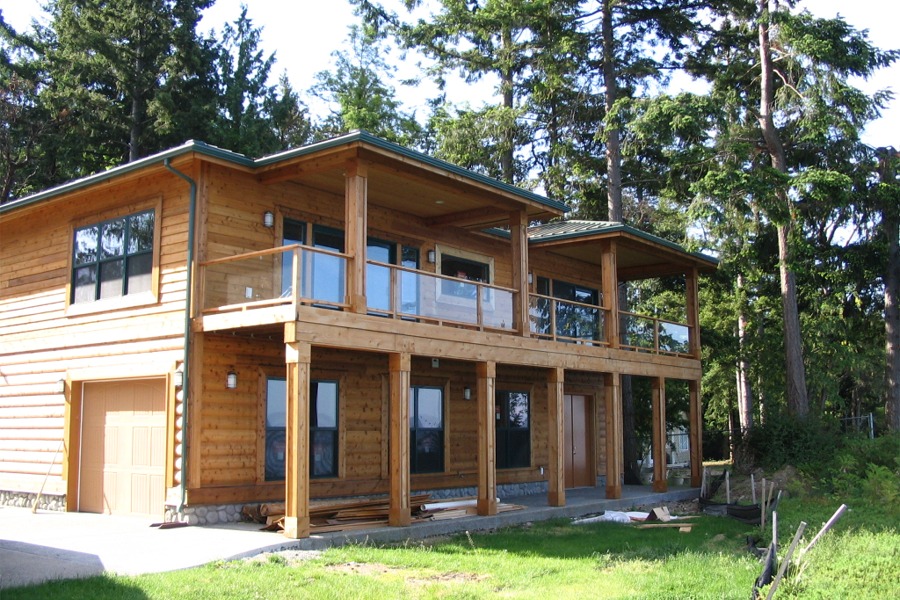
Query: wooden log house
x=350, y=318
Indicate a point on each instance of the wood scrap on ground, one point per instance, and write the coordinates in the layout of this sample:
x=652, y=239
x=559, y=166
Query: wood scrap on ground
x=348, y=514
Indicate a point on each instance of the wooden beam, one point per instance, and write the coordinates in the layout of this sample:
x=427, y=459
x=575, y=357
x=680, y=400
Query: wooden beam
x=609, y=279
x=692, y=300
x=659, y=434
x=296, y=496
x=399, y=514
x=297, y=170
x=469, y=218
x=355, y=232
x=518, y=230
x=695, y=432
x=614, y=436
x=556, y=471
x=487, y=448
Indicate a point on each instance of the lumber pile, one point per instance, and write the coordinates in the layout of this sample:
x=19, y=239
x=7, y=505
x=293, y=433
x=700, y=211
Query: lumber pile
x=343, y=515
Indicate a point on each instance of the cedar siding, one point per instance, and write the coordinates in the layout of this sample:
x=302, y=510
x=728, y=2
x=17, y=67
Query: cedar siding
x=374, y=330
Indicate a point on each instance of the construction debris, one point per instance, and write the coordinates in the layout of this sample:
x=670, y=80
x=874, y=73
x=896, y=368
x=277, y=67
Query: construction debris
x=343, y=515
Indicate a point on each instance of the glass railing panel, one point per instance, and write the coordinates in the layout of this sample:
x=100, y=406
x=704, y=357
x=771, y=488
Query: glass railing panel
x=242, y=280
x=323, y=277
x=539, y=316
x=378, y=288
x=674, y=337
x=497, y=308
x=577, y=321
x=637, y=331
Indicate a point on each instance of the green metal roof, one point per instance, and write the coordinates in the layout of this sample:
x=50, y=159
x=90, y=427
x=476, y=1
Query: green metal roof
x=198, y=147
x=562, y=230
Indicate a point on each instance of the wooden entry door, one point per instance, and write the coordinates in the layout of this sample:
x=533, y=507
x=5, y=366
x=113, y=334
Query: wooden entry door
x=123, y=448
x=578, y=444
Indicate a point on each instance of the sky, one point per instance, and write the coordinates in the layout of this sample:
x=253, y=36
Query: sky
x=303, y=42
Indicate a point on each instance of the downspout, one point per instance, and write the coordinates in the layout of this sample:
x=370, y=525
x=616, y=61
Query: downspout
x=189, y=279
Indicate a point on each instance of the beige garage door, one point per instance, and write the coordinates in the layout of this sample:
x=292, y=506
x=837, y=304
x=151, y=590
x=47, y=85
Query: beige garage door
x=123, y=447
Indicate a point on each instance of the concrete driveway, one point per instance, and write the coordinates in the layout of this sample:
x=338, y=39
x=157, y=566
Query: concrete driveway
x=54, y=545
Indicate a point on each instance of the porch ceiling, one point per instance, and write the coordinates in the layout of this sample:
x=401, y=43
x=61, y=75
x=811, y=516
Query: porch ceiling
x=438, y=195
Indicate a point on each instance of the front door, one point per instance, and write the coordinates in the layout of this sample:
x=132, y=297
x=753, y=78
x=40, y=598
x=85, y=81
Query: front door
x=578, y=447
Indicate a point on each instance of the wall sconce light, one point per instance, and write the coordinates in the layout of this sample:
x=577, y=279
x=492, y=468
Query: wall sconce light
x=431, y=256
x=530, y=278
x=231, y=380
x=60, y=387
x=268, y=219
x=467, y=393
x=178, y=378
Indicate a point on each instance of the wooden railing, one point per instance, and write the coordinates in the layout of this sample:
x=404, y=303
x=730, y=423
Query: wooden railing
x=410, y=294
x=567, y=321
x=644, y=333
x=299, y=275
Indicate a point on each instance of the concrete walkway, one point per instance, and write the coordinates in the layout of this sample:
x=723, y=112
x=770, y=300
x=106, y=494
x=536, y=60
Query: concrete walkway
x=50, y=545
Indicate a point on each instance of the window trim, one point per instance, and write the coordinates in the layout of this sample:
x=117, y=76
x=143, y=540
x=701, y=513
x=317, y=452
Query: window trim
x=145, y=298
x=529, y=391
x=439, y=253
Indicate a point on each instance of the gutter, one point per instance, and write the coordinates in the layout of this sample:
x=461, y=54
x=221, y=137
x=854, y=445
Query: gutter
x=189, y=279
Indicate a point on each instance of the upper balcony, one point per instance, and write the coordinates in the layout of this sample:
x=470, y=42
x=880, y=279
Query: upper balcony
x=278, y=285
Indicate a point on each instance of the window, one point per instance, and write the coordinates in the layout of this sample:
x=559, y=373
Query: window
x=378, y=278
x=426, y=422
x=465, y=270
x=513, y=434
x=323, y=428
x=328, y=271
x=113, y=258
x=294, y=232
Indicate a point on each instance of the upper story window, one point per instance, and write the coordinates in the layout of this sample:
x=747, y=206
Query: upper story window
x=113, y=258
x=467, y=268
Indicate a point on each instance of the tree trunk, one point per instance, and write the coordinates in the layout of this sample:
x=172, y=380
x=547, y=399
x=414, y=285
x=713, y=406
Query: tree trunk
x=613, y=151
x=745, y=393
x=797, y=398
x=890, y=219
x=506, y=86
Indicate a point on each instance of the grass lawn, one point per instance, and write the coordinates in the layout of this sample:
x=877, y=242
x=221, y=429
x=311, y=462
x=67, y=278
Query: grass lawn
x=549, y=560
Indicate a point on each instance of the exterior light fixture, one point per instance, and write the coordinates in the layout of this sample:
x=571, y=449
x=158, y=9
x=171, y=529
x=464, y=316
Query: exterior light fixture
x=178, y=378
x=467, y=393
x=60, y=387
x=431, y=256
x=231, y=380
x=268, y=219
x=530, y=278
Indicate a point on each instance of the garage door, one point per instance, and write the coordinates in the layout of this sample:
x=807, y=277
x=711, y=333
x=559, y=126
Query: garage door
x=123, y=447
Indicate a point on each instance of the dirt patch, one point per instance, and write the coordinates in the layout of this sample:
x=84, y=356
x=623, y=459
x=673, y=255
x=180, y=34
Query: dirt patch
x=417, y=577
x=288, y=557
x=357, y=568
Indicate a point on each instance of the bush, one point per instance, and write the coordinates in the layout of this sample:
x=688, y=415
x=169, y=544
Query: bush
x=805, y=444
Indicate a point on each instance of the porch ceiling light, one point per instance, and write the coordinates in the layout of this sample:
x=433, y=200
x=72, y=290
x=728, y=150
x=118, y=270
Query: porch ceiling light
x=231, y=380
x=268, y=219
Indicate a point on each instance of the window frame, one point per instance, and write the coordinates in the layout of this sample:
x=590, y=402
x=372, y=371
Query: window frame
x=502, y=433
x=143, y=298
x=414, y=429
x=443, y=252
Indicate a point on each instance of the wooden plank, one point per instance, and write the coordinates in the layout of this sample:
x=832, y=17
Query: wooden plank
x=399, y=441
x=355, y=232
x=519, y=250
x=610, y=290
x=695, y=432
x=296, y=521
x=692, y=310
x=487, y=452
x=614, y=436
x=556, y=472
x=660, y=484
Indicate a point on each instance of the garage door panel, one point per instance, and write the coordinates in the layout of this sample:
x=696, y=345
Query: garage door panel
x=125, y=455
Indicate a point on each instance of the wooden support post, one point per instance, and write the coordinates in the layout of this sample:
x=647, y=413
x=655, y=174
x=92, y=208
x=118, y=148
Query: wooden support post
x=692, y=293
x=355, y=225
x=659, y=434
x=518, y=230
x=296, y=496
x=610, y=288
x=399, y=514
x=695, y=432
x=615, y=439
x=487, y=446
x=556, y=471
